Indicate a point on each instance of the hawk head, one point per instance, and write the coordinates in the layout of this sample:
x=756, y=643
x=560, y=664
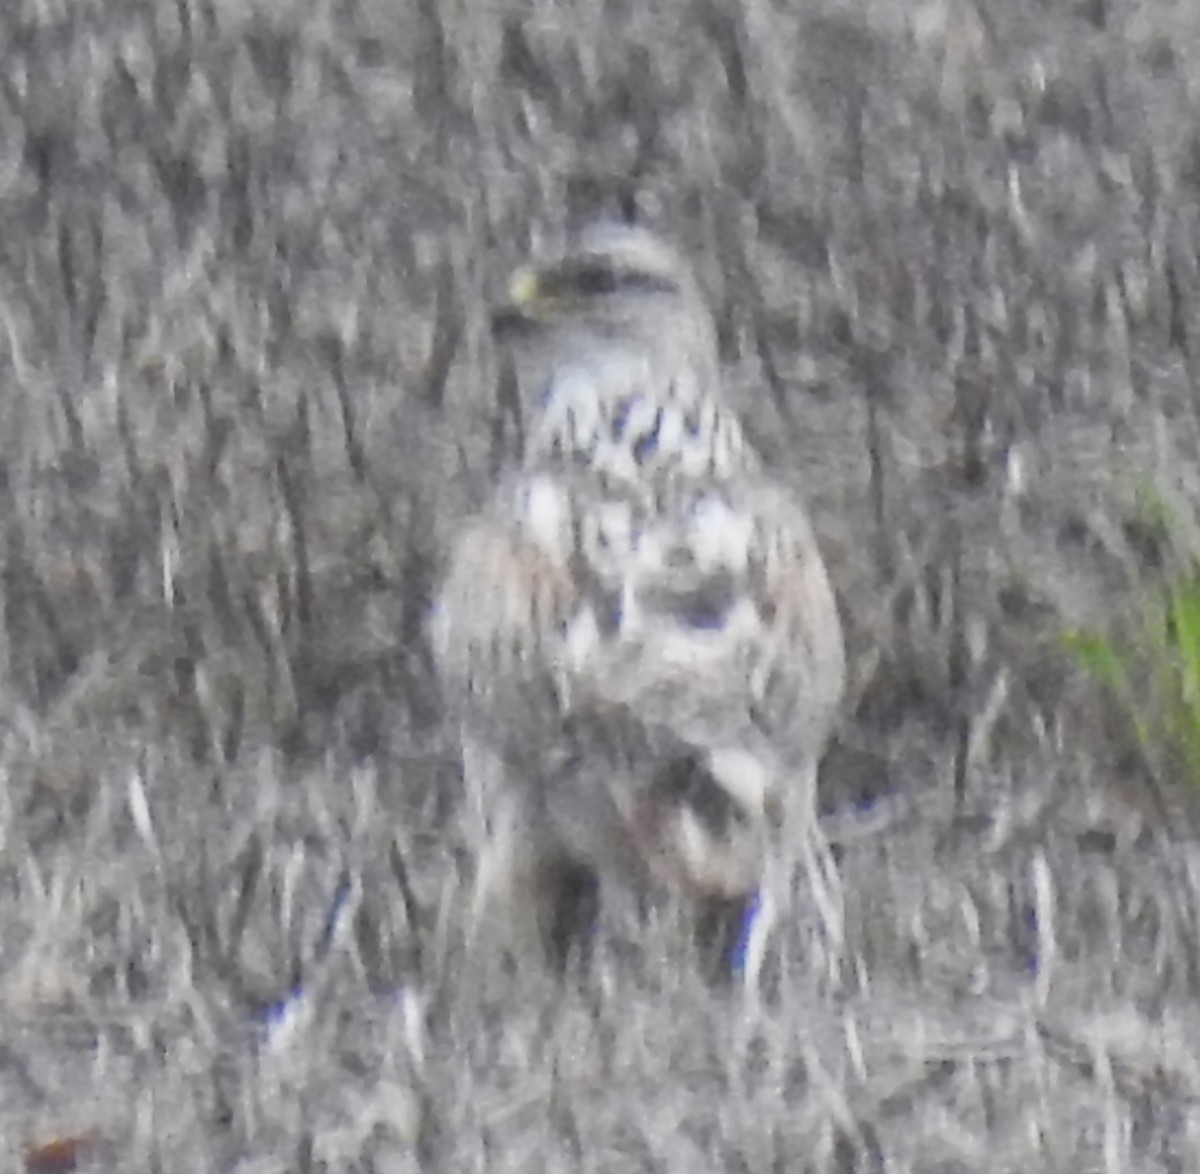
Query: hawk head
x=614, y=274
x=606, y=332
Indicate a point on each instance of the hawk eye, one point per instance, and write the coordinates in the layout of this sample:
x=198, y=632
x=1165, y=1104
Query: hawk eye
x=595, y=280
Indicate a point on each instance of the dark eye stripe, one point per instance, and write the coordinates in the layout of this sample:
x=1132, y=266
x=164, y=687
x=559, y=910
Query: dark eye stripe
x=637, y=282
x=596, y=279
x=591, y=280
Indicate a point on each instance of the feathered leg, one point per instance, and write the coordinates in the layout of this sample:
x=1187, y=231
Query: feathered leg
x=523, y=874
x=800, y=848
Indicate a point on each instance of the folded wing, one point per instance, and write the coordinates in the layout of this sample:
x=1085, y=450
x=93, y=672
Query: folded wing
x=704, y=611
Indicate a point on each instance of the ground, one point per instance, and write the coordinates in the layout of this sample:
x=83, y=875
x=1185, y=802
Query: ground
x=247, y=390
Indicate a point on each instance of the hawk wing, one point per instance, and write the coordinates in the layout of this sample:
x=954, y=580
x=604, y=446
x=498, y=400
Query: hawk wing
x=701, y=609
x=506, y=601
x=727, y=630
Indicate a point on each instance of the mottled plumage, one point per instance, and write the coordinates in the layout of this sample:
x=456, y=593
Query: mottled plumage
x=638, y=634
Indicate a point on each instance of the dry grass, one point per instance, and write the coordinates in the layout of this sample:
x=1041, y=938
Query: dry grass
x=246, y=389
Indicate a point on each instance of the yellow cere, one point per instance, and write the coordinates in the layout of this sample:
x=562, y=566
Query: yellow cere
x=524, y=288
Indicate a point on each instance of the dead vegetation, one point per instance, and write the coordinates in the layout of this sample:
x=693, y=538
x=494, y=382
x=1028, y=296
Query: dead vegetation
x=246, y=389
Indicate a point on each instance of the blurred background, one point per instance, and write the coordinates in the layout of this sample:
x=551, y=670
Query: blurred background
x=247, y=391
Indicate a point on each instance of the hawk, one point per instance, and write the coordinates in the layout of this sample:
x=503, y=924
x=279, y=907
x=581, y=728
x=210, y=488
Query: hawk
x=638, y=633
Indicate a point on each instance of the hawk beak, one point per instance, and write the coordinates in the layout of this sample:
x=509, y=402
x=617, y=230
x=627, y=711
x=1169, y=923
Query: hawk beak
x=525, y=288
x=522, y=308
